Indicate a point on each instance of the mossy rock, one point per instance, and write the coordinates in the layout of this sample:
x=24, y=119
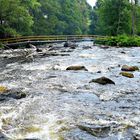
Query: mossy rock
x=127, y=74
x=3, y=89
x=77, y=68
x=103, y=81
x=129, y=68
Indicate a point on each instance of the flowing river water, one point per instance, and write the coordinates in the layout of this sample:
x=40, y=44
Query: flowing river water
x=58, y=101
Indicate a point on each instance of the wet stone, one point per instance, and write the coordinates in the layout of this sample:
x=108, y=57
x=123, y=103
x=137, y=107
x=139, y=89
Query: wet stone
x=31, y=139
x=129, y=68
x=3, y=89
x=54, y=54
x=55, y=48
x=127, y=74
x=136, y=136
x=123, y=52
x=70, y=44
x=96, y=130
x=76, y=68
x=15, y=94
x=3, y=137
x=87, y=47
x=102, y=81
x=99, y=72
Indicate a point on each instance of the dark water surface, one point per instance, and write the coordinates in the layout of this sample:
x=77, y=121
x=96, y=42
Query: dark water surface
x=59, y=101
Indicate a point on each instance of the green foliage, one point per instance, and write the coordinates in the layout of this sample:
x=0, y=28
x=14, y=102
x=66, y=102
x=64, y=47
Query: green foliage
x=43, y=17
x=61, y=17
x=1, y=45
x=15, y=17
x=115, y=17
x=121, y=40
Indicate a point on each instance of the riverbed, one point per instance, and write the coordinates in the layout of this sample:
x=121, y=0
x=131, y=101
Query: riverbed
x=58, y=102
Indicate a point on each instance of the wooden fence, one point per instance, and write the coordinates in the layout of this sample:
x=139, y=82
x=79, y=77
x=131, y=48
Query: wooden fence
x=45, y=39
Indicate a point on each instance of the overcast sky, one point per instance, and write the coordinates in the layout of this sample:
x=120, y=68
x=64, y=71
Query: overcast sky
x=91, y=2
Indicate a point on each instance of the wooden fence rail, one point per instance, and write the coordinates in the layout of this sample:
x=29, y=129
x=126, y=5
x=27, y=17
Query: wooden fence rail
x=45, y=39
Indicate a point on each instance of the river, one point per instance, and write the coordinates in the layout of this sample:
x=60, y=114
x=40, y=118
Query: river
x=58, y=101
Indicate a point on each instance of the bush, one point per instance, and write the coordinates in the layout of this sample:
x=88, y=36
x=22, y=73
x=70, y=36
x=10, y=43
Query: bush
x=6, y=32
x=121, y=40
x=1, y=45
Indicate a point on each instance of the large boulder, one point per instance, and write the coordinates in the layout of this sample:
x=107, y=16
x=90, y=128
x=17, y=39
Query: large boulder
x=129, y=68
x=103, y=81
x=76, y=68
x=127, y=74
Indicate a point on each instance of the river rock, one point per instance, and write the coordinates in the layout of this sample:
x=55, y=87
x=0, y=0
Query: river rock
x=123, y=52
x=96, y=130
x=104, y=47
x=3, y=137
x=136, y=136
x=99, y=71
x=76, y=68
x=129, y=68
x=3, y=89
x=15, y=94
x=127, y=74
x=38, y=50
x=87, y=47
x=70, y=44
x=30, y=139
x=103, y=81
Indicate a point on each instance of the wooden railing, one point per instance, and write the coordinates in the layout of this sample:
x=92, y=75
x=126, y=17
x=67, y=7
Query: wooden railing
x=50, y=38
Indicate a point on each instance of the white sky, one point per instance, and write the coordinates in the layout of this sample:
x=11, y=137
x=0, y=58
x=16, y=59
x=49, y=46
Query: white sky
x=91, y=2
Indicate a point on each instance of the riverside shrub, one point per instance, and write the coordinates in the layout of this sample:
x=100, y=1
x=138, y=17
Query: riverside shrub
x=121, y=40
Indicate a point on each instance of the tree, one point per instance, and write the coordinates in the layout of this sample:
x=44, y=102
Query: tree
x=15, y=17
x=43, y=17
x=113, y=17
x=62, y=17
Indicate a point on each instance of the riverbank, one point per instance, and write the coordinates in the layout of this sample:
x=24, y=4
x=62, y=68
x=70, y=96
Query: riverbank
x=119, y=41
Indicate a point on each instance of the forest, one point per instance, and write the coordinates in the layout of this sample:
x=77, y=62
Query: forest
x=49, y=17
x=43, y=17
x=115, y=17
x=77, y=17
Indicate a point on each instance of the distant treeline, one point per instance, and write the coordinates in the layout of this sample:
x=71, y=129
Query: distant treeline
x=57, y=17
x=116, y=17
